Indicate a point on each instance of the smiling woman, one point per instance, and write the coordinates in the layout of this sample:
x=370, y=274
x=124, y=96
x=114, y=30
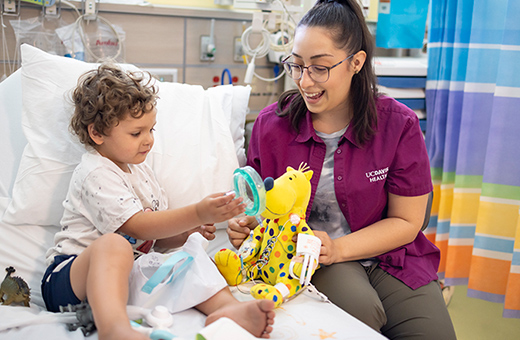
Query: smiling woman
x=371, y=177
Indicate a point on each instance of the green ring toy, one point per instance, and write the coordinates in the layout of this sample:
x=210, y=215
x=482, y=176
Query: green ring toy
x=247, y=183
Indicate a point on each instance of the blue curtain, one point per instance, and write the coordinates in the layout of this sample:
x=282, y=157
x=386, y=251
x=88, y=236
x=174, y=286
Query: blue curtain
x=472, y=136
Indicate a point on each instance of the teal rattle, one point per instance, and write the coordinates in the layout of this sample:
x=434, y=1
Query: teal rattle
x=249, y=185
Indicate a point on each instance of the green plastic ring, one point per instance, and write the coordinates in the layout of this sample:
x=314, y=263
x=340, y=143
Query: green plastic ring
x=247, y=176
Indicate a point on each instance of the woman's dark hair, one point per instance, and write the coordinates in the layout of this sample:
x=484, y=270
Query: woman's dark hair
x=107, y=95
x=346, y=24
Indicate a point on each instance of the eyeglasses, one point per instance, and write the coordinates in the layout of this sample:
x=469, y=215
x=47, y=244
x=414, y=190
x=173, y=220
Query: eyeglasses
x=318, y=73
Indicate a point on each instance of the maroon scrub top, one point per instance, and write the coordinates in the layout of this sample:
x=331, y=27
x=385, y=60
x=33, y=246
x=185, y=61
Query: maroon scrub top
x=395, y=160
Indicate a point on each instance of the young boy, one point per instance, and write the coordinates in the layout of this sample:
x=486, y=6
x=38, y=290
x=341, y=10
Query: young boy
x=114, y=198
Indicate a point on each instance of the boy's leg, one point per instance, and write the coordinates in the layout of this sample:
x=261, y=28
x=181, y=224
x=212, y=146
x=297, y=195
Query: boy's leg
x=346, y=284
x=255, y=316
x=100, y=274
x=412, y=314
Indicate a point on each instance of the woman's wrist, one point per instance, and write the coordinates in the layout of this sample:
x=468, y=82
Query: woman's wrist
x=338, y=251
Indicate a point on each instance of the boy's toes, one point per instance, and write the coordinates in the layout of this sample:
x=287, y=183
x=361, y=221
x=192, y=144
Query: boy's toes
x=266, y=306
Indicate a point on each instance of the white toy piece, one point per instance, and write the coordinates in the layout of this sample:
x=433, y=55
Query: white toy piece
x=309, y=247
x=160, y=320
x=159, y=317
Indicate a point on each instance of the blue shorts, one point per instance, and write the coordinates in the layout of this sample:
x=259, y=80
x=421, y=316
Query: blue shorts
x=56, y=287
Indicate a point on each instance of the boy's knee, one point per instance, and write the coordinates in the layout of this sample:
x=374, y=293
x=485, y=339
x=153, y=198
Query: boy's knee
x=113, y=243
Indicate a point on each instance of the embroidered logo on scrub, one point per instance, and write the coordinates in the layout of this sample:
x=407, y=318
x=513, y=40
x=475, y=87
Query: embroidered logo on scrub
x=377, y=175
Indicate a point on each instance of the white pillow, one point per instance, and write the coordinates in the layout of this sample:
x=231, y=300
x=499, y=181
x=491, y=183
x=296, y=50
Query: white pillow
x=195, y=153
x=239, y=102
x=12, y=140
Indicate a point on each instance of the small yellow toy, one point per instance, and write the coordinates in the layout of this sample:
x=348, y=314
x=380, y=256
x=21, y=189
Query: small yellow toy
x=270, y=254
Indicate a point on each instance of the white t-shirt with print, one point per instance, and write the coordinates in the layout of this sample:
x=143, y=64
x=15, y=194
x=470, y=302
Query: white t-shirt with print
x=101, y=198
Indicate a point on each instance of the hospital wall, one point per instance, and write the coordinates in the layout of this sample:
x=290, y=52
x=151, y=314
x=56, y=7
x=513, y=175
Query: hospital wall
x=169, y=37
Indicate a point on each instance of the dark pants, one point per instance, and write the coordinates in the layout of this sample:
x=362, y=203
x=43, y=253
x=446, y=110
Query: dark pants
x=385, y=303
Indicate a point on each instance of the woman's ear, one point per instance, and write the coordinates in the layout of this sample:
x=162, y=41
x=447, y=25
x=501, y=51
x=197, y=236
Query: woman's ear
x=95, y=135
x=358, y=60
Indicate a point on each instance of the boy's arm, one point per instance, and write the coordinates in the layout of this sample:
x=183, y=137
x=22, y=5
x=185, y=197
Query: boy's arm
x=165, y=244
x=160, y=224
x=167, y=223
x=208, y=231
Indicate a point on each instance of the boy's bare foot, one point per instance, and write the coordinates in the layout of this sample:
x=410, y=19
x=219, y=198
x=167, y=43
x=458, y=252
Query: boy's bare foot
x=255, y=316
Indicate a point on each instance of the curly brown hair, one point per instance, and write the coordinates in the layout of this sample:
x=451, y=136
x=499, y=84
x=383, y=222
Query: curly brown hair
x=107, y=95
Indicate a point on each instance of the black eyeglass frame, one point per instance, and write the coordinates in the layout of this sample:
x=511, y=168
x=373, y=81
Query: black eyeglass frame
x=302, y=68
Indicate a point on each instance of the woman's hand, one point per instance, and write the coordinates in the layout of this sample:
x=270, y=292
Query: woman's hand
x=328, y=252
x=239, y=228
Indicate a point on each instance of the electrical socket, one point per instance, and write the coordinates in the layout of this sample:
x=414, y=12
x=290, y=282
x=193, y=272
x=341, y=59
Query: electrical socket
x=163, y=74
x=205, y=54
x=90, y=10
x=10, y=6
x=51, y=10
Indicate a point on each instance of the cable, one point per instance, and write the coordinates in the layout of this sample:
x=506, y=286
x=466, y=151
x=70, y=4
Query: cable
x=286, y=11
x=81, y=33
x=286, y=28
x=5, y=51
x=79, y=24
x=270, y=79
x=263, y=47
x=226, y=71
x=288, y=33
x=266, y=44
x=9, y=65
x=72, y=6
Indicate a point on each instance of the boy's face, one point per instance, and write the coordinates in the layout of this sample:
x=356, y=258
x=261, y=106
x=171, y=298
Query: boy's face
x=129, y=142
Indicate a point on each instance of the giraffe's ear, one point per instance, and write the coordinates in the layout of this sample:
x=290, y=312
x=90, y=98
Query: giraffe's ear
x=309, y=174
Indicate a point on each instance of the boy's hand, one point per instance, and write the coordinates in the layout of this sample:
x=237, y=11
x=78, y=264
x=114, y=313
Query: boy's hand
x=219, y=207
x=207, y=230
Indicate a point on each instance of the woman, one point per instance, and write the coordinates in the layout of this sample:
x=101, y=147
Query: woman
x=371, y=177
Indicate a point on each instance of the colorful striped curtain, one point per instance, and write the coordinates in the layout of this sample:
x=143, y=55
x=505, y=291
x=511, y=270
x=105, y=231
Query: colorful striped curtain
x=473, y=140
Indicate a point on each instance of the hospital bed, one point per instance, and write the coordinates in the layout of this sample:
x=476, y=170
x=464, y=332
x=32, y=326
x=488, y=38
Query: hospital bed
x=199, y=142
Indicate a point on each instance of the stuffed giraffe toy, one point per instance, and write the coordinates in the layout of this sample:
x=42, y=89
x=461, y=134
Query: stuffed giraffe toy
x=270, y=254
